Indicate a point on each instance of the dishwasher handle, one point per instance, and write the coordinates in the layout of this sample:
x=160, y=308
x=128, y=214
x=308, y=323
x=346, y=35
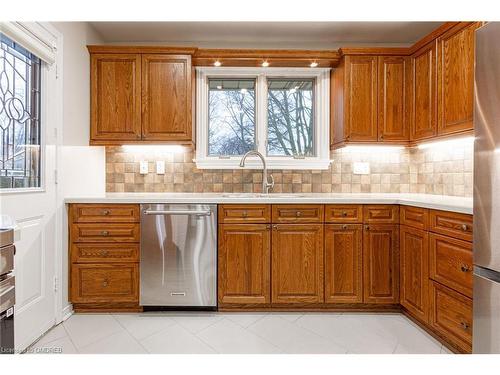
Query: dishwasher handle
x=178, y=212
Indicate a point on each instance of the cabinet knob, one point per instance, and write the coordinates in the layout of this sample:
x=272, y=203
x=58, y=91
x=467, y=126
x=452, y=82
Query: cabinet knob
x=367, y=227
x=381, y=136
x=104, y=233
x=464, y=325
x=275, y=227
x=298, y=214
x=105, y=212
x=245, y=213
x=464, y=268
x=105, y=283
x=344, y=227
x=465, y=227
x=344, y=213
x=268, y=226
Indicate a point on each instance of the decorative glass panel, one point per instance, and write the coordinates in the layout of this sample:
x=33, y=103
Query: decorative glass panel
x=290, y=117
x=19, y=116
x=231, y=117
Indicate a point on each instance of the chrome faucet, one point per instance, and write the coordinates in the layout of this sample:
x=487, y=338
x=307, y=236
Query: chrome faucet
x=266, y=185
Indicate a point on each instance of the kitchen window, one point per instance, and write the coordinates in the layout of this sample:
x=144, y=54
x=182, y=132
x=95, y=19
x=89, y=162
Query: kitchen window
x=20, y=80
x=281, y=112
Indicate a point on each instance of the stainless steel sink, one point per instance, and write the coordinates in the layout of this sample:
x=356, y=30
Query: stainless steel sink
x=261, y=195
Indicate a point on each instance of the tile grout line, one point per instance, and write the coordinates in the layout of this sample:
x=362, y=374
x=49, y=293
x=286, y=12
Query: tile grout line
x=69, y=336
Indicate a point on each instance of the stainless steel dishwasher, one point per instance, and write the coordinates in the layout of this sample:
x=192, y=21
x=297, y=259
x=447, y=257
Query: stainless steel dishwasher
x=178, y=256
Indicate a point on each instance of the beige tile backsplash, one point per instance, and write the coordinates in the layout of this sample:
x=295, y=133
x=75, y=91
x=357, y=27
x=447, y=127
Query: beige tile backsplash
x=443, y=171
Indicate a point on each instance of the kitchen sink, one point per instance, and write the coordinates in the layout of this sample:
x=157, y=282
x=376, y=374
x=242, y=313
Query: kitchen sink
x=260, y=195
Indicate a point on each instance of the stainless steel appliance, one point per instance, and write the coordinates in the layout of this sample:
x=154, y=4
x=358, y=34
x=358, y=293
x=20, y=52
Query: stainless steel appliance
x=178, y=256
x=7, y=291
x=486, y=326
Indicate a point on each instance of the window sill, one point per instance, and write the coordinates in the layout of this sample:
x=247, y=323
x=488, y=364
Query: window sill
x=234, y=163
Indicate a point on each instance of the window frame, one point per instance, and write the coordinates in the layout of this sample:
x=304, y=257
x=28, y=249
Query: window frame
x=321, y=113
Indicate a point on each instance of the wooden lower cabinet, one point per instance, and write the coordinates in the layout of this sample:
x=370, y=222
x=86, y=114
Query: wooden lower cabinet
x=343, y=263
x=414, y=271
x=244, y=268
x=381, y=263
x=297, y=263
x=451, y=315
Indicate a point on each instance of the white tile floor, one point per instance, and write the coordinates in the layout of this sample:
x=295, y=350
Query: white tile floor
x=238, y=333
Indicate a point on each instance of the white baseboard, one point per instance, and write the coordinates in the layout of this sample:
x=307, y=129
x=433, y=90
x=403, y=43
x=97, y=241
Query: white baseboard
x=67, y=312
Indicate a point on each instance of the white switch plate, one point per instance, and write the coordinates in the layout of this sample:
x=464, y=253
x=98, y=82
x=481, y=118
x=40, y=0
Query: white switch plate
x=160, y=167
x=143, y=167
x=361, y=168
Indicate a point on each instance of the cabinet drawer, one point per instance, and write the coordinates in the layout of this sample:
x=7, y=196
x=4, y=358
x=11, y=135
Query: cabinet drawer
x=415, y=217
x=293, y=213
x=345, y=213
x=381, y=214
x=104, y=252
x=88, y=232
x=99, y=213
x=451, y=224
x=451, y=263
x=244, y=213
x=451, y=315
x=109, y=283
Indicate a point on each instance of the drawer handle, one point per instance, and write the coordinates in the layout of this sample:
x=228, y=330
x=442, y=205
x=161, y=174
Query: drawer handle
x=464, y=325
x=105, y=212
x=104, y=233
x=367, y=227
x=105, y=283
x=464, y=268
x=344, y=227
x=344, y=213
x=275, y=227
x=298, y=214
x=245, y=213
x=465, y=227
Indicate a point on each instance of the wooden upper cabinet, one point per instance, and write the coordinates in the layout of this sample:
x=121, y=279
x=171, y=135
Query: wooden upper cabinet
x=381, y=263
x=423, y=83
x=166, y=98
x=392, y=96
x=360, y=98
x=297, y=263
x=115, y=98
x=414, y=250
x=455, y=88
x=343, y=263
x=244, y=264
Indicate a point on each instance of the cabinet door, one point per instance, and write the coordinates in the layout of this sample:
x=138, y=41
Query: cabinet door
x=456, y=79
x=115, y=98
x=343, y=263
x=423, y=83
x=360, y=98
x=414, y=248
x=244, y=264
x=297, y=263
x=166, y=98
x=392, y=92
x=381, y=263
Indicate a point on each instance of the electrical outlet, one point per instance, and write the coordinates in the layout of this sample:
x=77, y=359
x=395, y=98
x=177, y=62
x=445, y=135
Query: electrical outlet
x=160, y=167
x=361, y=168
x=143, y=167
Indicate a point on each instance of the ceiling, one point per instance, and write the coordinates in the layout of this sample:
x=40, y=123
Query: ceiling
x=307, y=35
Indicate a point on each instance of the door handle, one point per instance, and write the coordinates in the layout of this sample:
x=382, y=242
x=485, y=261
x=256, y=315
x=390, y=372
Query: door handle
x=178, y=212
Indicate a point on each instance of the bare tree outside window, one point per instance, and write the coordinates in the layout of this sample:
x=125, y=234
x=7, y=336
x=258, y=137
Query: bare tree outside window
x=290, y=117
x=231, y=118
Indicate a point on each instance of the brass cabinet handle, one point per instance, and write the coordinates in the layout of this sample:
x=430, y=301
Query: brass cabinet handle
x=464, y=268
x=381, y=136
x=464, y=325
x=298, y=214
x=464, y=227
x=367, y=227
x=104, y=233
x=245, y=213
x=105, y=212
x=344, y=214
x=105, y=283
x=268, y=226
x=275, y=227
x=344, y=227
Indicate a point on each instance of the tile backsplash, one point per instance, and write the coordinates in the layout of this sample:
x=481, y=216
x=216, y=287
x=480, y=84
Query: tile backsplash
x=435, y=170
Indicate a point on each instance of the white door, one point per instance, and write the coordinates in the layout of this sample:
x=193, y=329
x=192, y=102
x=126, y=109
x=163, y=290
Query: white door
x=34, y=213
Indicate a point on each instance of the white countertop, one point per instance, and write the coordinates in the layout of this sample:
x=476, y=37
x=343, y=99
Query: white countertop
x=438, y=202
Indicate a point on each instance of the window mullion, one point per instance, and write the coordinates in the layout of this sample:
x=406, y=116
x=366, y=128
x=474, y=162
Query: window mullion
x=261, y=126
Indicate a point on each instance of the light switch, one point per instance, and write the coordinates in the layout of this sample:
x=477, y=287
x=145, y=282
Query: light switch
x=361, y=168
x=143, y=167
x=160, y=167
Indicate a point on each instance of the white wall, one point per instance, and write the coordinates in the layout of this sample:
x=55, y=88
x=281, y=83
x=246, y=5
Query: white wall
x=81, y=168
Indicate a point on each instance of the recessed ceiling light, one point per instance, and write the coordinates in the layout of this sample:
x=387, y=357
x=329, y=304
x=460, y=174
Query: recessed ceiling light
x=314, y=64
x=265, y=63
x=217, y=63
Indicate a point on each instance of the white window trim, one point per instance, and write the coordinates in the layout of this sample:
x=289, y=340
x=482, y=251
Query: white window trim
x=321, y=117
